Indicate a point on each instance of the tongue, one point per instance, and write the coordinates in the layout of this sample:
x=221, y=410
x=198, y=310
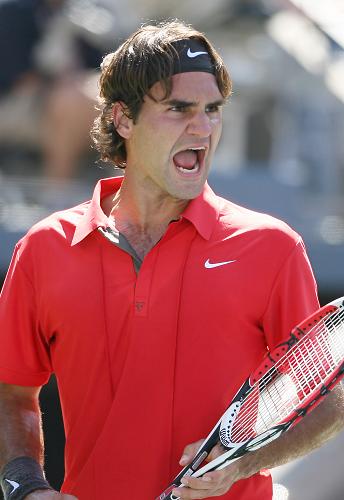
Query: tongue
x=186, y=159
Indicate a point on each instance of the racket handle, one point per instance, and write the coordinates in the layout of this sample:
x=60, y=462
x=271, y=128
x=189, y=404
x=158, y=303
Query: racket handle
x=189, y=469
x=167, y=494
x=218, y=463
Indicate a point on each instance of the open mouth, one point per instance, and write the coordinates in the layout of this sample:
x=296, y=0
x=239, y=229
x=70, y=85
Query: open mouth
x=189, y=161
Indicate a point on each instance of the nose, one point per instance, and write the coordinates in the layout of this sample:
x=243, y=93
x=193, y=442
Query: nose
x=200, y=125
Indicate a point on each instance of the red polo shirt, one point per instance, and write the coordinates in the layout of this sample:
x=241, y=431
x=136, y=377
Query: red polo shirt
x=146, y=362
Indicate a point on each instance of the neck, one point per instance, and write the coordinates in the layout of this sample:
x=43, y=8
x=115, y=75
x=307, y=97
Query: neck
x=142, y=216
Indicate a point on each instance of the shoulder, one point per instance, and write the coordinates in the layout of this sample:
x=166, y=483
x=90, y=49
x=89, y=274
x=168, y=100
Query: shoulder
x=235, y=219
x=57, y=227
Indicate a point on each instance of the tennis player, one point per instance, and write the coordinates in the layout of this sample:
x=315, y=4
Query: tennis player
x=153, y=301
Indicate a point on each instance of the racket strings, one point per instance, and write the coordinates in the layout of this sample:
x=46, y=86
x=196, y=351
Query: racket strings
x=317, y=357
x=292, y=379
x=312, y=362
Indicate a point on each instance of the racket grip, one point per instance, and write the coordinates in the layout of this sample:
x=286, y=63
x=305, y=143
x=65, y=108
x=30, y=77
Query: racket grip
x=190, y=469
x=167, y=494
x=187, y=471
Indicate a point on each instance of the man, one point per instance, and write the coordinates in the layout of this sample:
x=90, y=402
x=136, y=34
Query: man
x=153, y=301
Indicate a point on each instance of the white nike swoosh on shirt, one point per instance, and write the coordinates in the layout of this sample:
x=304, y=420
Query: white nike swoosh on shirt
x=14, y=485
x=210, y=265
x=194, y=54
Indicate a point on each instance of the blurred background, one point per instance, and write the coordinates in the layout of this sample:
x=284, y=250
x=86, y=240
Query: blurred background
x=282, y=149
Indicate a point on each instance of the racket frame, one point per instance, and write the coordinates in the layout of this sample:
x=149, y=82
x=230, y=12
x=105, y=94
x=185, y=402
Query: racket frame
x=237, y=450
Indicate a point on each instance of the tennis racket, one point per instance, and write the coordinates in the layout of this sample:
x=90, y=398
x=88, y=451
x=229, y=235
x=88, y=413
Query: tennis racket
x=291, y=381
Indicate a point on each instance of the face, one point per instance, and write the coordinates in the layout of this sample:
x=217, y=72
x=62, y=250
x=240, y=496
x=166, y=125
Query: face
x=171, y=145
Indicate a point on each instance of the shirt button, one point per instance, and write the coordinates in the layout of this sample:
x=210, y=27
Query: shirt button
x=140, y=307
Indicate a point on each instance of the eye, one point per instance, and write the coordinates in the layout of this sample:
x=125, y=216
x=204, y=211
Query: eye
x=213, y=108
x=179, y=108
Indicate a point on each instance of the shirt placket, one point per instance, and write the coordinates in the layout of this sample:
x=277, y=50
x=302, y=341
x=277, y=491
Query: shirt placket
x=143, y=283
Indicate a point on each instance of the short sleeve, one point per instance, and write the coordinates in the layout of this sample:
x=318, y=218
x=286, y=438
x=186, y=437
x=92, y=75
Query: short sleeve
x=293, y=296
x=24, y=351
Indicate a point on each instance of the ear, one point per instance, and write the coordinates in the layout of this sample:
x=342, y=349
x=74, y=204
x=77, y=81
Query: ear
x=122, y=123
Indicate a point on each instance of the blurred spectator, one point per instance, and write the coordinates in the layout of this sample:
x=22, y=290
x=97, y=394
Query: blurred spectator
x=47, y=87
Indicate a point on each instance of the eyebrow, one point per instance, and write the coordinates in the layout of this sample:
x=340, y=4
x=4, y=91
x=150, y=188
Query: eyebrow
x=181, y=102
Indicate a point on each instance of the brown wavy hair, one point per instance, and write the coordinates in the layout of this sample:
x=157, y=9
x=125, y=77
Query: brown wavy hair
x=127, y=75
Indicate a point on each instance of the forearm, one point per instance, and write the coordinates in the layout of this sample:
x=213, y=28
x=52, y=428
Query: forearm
x=21, y=446
x=20, y=424
x=323, y=423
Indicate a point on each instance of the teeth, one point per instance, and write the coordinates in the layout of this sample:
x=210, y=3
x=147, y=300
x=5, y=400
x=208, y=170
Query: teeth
x=188, y=170
x=197, y=149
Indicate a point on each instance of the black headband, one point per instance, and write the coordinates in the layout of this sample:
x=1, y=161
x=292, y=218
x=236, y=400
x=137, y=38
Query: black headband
x=192, y=56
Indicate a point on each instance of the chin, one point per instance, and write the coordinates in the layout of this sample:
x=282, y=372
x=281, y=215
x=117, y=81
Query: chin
x=188, y=193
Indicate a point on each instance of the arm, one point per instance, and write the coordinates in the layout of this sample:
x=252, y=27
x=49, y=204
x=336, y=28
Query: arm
x=314, y=430
x=20, y=423
x=21, y=431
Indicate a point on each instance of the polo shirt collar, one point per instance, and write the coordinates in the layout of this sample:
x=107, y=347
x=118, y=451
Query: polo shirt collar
x=202, y=212
x=94, y=216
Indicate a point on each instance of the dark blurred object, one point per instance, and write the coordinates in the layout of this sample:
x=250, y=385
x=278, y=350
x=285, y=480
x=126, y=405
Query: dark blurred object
x=53, y=430
x=23, y=24
x=47, y=85
x=19, y=32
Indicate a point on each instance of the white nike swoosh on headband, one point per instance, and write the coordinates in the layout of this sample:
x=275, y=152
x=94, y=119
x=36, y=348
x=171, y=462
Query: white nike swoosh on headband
x=14, y=485
x=194, y=54
x=210, y=265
